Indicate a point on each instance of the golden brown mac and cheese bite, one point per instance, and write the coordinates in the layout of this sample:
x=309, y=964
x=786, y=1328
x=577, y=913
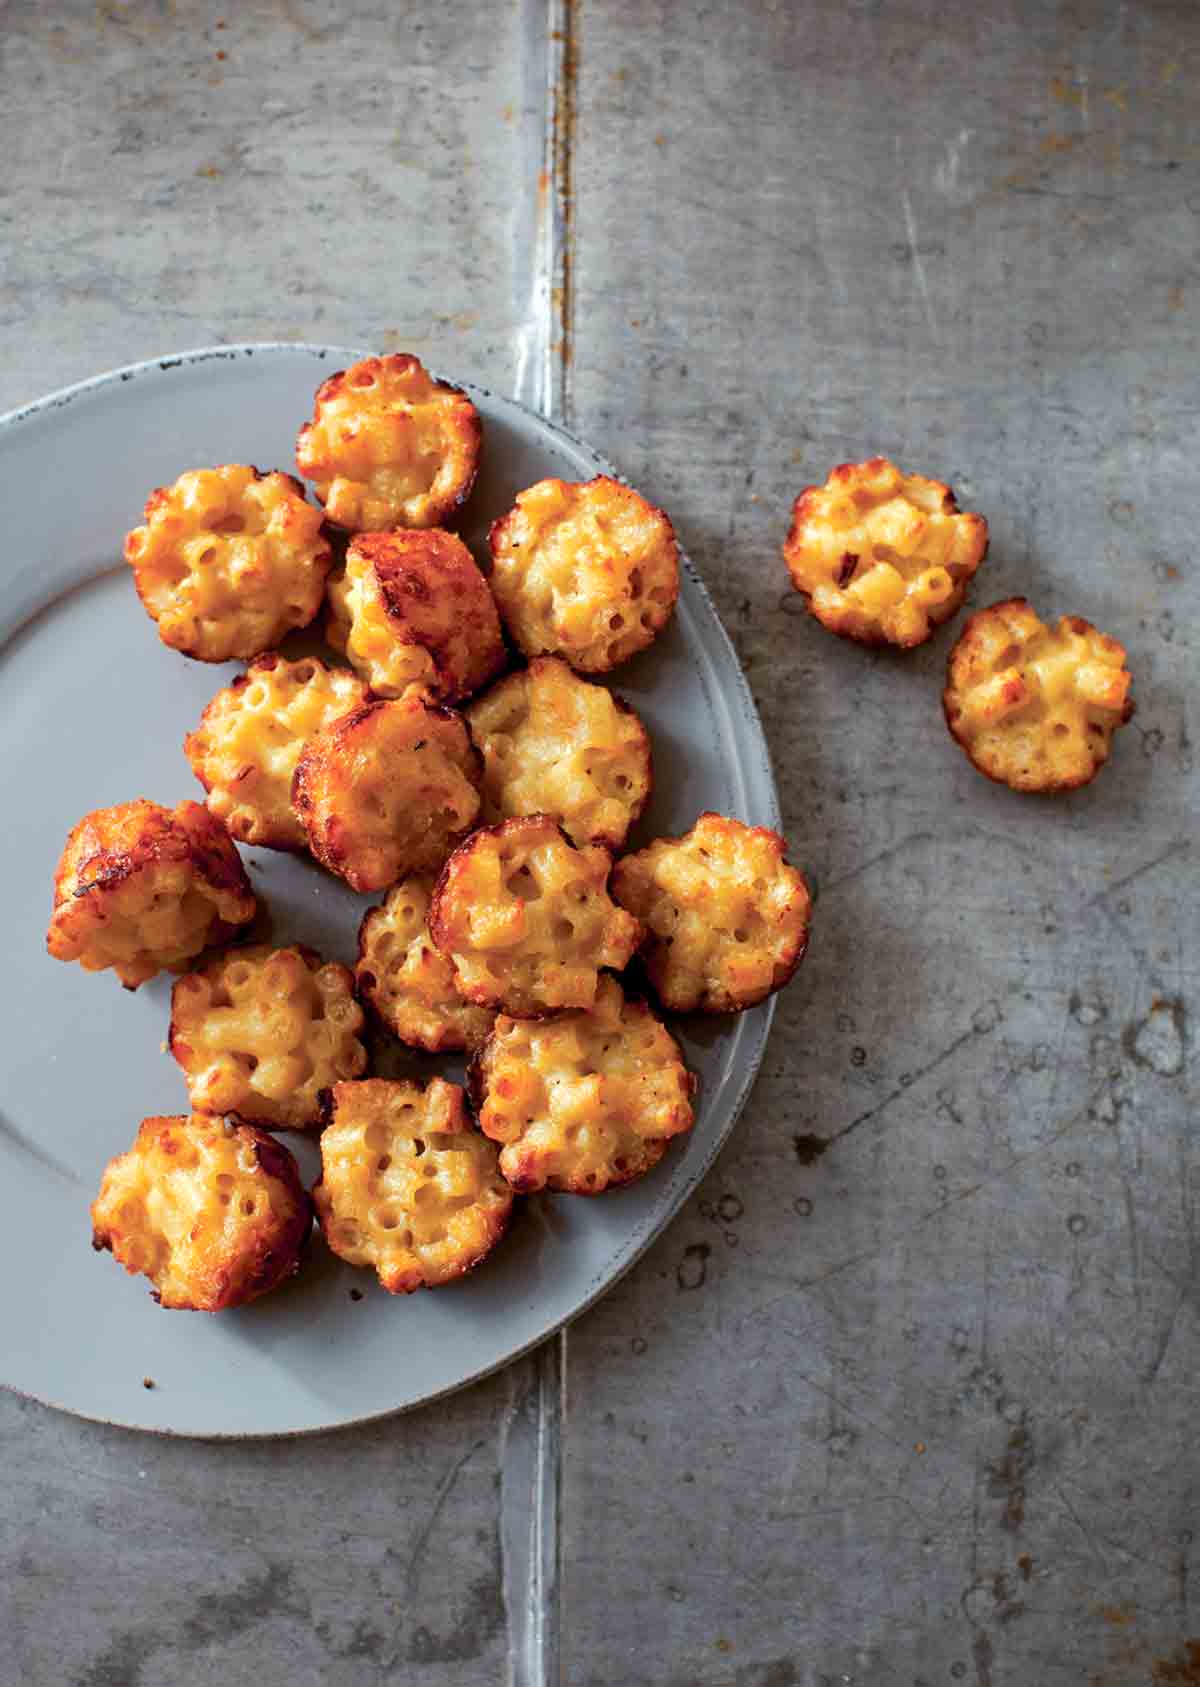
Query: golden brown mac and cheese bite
x=1035, y=707
x=245, y=749
x=411, y=608
x=527, y=920
x=881, y=556
x=142, y=889
x=387, y=790
x=553, y=743
x=229, y=561
x=214, y=1214
x=584, y=1102
x=408, y=981
x=388, y=446
x=260, y=1032
x=726, y=916
x=407, y=1186
x=586, y=571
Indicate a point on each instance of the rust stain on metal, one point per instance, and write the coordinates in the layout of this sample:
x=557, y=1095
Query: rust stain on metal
x=1183, y=1668
x=563, y=119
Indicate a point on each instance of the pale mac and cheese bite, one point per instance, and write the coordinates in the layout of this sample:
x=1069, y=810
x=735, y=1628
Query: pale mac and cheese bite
x=527, y=920
x=726, y=916
x=584, y=1102
x=553, y=743
x=245, y=749
x=142, y=889
x=586, y=571
x=213, y=1213
x=1033, y=706
x=407, y=981
x=412, y=608
x=229, y=561
x=260, y=1032
x=881, y=556
x=387, y=790
x=388, y=446
x=407, y=1185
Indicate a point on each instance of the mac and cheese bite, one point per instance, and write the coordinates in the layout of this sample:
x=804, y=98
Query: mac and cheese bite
x=588, y=571
x=388, y=446
x=408, y=1186
x=213, y=1213
x=411, y=608
x=882, y=556
x=553, y=743
x=1033, y=706
x=387, y=790
x=726, y=916
x=527, y=920
x=260, y=1032
x=229, y=561
x=142, y=889
x=407, y=980
x=245, y=749
x=584, y=1102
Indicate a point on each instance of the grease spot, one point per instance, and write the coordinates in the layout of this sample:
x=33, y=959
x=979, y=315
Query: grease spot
x=692, y=1269
x=808, y=1148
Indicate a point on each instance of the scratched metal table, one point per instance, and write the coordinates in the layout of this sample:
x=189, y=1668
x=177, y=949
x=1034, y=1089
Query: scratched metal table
x=908, y=1394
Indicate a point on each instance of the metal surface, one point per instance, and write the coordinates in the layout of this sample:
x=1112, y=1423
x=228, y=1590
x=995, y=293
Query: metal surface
x=916, y=1407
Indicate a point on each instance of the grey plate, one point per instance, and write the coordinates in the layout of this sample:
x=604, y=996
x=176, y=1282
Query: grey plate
x=93, y=710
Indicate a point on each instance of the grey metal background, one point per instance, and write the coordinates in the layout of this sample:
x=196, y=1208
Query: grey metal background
x=908, y=1396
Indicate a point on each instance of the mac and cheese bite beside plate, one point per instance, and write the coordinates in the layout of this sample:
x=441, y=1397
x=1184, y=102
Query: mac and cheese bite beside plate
x=1034, y=706
x=882, y=556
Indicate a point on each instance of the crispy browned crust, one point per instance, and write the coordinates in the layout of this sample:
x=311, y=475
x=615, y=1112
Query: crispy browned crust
x=651, y=609
x=365, y=848
x=453, y=1031
x=260, y=829
x=968, y=665
x=235, y=1259
x=108, y=850
x=463, y=430
x=154, y=577
x=433, y=596
x=576, y=797
x=786, y=926
x=410, y=1125
x=453, y=900
x=809, y=508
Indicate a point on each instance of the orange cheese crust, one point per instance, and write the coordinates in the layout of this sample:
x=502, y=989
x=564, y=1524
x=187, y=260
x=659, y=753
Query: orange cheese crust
x=142, y=889
x=387, y=790
x=411, y=608
x=1035, y=707
x=584, y=1102
x=726, y=916
x=553, y=743
x=407, y=1186
x=260, y=1032
x=245, y=749
x=214, y=1214
x=229, y=561
x=882, y=556
x=588, y=571
x=388, y=446
x=527, y=920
